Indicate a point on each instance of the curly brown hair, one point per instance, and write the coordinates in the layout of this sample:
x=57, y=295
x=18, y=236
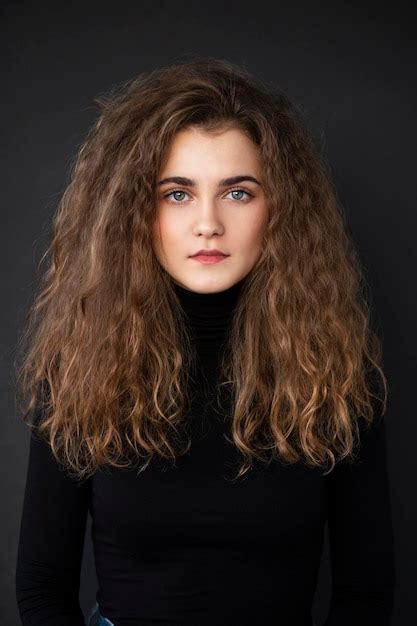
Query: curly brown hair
x=106, y=353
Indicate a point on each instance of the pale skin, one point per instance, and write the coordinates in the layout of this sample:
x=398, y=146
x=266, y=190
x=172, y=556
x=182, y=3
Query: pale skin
x=230, y=217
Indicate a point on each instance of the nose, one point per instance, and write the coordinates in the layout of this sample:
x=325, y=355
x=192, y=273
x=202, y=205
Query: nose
x=208, y=220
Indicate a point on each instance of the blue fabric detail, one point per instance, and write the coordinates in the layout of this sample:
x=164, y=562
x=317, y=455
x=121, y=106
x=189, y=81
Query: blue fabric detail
x=96, y=619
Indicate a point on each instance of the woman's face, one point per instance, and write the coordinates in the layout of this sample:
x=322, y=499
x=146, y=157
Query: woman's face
x=205, y=211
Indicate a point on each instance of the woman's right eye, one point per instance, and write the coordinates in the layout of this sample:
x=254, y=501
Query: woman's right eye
x=171, y=193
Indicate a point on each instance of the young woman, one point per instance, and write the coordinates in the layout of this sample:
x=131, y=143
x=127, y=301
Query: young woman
x=201, y=375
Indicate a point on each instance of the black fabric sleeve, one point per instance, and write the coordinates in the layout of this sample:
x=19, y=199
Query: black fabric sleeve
x=361, y=533
x=51, y=542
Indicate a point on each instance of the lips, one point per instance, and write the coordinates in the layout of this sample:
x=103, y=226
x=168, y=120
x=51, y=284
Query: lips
x=209, y=259
x=209, y=253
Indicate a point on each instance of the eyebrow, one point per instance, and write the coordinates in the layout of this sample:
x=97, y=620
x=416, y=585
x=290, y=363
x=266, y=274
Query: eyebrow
x=225, y=182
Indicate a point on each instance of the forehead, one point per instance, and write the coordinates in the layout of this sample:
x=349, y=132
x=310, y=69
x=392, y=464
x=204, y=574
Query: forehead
x=192, y=148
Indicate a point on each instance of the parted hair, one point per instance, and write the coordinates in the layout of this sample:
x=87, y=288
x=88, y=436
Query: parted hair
x=105, y=355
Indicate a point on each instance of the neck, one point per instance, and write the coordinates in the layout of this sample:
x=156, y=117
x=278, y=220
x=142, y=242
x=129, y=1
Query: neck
x=209, y=313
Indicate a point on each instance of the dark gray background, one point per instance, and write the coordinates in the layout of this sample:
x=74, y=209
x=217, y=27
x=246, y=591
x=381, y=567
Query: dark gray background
x=351, y=70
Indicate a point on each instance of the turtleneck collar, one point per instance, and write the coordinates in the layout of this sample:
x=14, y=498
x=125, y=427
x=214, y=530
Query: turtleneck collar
x=209, y=313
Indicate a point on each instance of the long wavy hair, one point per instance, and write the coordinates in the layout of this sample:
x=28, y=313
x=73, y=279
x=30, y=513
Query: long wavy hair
x=105, y=350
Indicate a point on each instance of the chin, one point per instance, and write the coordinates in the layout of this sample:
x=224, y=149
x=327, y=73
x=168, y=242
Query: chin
x=210, y=285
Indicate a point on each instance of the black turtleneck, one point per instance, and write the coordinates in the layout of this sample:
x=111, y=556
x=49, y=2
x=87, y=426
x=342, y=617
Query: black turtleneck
x=209, y=316
x=209, y=313
x=185, y=545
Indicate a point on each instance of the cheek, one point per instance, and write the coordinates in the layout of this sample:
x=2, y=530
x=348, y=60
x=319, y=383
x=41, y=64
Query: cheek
x=254, y=229
x=170, y=228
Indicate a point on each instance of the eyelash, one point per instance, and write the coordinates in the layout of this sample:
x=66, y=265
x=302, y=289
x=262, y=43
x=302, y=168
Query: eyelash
x=182, y=191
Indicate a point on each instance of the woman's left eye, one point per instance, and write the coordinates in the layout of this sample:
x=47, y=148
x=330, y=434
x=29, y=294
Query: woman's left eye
x=248, y=195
